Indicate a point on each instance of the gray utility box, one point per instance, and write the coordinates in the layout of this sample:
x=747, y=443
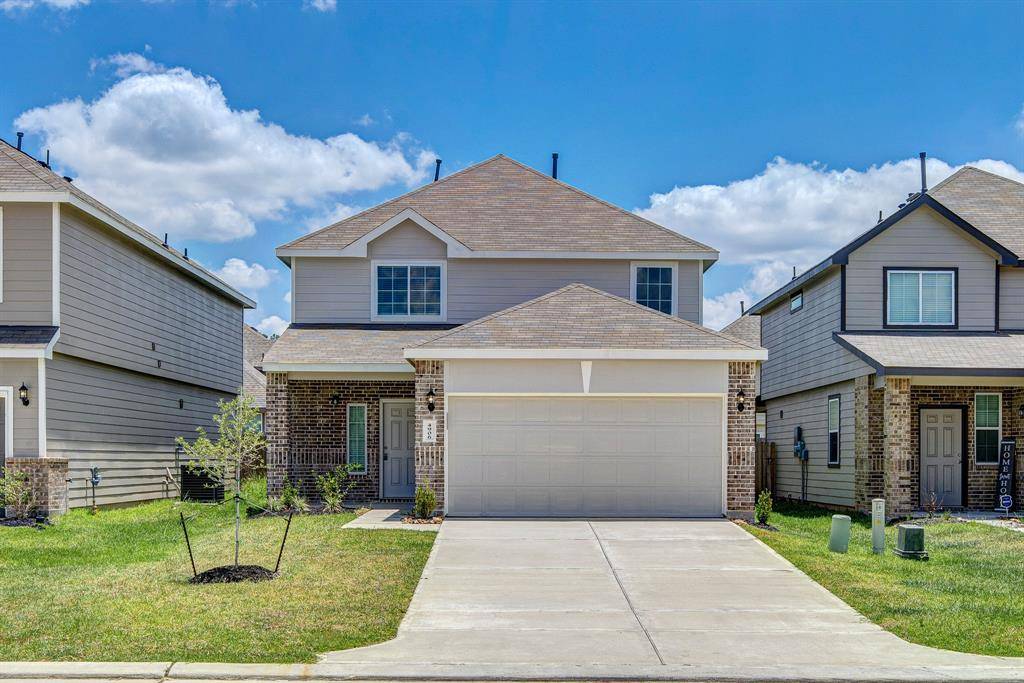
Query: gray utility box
x=910, y=542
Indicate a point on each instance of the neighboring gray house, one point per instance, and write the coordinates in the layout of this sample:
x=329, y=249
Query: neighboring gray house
x=519, y=346
x=254, y=347
x=901, y=356
x=111, y=343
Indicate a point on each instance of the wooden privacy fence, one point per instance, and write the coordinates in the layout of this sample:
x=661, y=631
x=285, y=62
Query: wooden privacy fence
x=764, y=467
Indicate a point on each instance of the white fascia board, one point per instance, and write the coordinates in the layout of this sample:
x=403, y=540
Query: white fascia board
x=24, y=352
x=585, y=354
x=402, y=368
x=708, y=256
x=47, y=197
x=359, y=247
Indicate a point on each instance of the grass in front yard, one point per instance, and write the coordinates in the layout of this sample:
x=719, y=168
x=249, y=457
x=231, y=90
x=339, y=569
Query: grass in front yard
x=968, y=597
x=113, y=587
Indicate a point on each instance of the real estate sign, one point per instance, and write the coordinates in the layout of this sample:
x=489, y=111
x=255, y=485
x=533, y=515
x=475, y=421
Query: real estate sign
x=1004, y=480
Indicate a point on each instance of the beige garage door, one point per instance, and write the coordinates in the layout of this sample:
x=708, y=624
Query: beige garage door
x=613, y=457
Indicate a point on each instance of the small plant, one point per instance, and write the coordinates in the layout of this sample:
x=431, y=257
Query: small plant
x=16, y=495
x=763, y=507
x=334, y=487
x=426, y=502
x=292, y=500
x=932, y=505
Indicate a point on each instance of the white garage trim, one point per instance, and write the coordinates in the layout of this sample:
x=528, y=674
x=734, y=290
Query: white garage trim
x=586, y=354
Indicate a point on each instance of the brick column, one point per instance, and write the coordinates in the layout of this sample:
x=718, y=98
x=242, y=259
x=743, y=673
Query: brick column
x=48, y=481
x=275, y=425
x=869, y=445
x=430, y=457
x=741, y=435
x=900, y=457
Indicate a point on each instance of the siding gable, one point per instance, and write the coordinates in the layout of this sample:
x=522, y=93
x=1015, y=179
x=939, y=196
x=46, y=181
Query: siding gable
x=407, y=241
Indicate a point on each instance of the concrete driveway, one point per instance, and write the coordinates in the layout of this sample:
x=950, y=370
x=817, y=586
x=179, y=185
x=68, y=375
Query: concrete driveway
x=644, y=598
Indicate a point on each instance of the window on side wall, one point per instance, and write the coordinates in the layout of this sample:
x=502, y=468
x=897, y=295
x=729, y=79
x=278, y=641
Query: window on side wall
x=833, y=432
x=356, y=437
x=920, y=298
x=408, y=291
x=988, y=425
x=655, y=285
x=796, y=302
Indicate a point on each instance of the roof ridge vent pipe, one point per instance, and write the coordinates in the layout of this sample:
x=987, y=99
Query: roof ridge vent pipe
x=924, y=174
x=20, y=136
x=742, y=307
x=554, y=165
x=437, y=169
x=165, y=240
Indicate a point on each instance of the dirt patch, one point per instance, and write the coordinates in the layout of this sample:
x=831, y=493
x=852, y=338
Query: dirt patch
x=766, y=527
x=233, y=574
x=19, y=521
x=417, y=520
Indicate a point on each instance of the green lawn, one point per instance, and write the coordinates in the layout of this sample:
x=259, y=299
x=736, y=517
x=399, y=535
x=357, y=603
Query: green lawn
x=113, y=587
x=968, y=597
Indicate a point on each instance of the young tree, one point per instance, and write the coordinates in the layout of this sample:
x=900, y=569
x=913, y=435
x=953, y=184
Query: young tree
x=240, y=444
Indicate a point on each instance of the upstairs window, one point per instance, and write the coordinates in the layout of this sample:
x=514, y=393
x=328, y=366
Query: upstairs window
x=988, y=423
x=920, y=297
x=654, y=286
x=408, y=291
x=796, y=302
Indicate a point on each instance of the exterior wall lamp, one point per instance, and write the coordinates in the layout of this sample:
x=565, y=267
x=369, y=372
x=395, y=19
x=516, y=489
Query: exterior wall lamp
x=741, y=401
x=430, y=399
x=23, y=394
x=335, y=399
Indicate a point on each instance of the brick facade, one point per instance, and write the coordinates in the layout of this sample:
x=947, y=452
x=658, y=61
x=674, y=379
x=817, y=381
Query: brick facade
x=48, y=479
x=741, y=437
x=430, y=457
x=869, y=444
x=900, y=458
x=306, y=424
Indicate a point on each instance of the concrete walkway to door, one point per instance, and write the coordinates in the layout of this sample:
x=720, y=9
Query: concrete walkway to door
x=635, y=599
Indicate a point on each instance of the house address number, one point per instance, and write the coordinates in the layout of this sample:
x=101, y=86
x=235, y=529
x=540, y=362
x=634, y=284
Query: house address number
x=429, y=431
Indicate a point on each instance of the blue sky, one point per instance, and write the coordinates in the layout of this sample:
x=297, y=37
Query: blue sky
x=772, y=131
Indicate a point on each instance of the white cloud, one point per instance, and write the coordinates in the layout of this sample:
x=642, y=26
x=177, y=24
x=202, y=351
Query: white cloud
x=272, y=324
x=164, y=147
x=365, y=120
x=790, y=214
x=1020, y=122
x=246, y=277
x=320, y=5
x=329, y=216
x=25, y=5
x=126, y=64
x=287, y=297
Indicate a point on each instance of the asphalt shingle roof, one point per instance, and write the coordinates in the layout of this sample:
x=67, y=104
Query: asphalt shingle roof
x=989, y=202
x=254, y=382
x=502, y=205
x=982, y=351
x=26, y=335
x=580, y=317
x=746, y=328
x=343, y=345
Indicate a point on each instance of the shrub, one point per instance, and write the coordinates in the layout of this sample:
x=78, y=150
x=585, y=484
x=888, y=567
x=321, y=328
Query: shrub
x=16, y=494
x=292, y=500
x=763, y=507
x=426, y=502
x=334, y=487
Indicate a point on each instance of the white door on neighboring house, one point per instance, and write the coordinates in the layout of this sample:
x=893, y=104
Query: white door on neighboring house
x=941, y=453
x=399, y=462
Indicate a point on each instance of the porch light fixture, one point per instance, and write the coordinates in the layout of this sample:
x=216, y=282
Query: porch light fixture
x=1020, y=411
x=741, y=401
x=430, y=399
x=335, y=399
x=23, y=394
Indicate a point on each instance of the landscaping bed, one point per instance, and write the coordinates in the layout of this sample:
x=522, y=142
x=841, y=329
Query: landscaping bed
x=116, y=586
x=968, y=597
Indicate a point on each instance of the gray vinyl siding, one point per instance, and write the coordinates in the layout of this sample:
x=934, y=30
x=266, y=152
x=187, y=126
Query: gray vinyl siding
x=921, y=239
x=1011, y=297
x=28, y=249
x=116, y=301
x=123, y=422
x=331, y=290
x=13, y=372
x=809, y=410
x=690, y=302
x=407, y=240
x=801, y=351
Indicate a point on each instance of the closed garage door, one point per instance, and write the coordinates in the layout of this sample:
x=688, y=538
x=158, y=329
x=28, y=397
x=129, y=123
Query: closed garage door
x=616, y=457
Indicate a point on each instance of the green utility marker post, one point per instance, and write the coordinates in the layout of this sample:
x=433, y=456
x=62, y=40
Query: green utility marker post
x=839, y=538
x=878, y=526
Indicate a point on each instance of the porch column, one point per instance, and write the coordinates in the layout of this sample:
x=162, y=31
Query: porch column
x=275, y=425
x=899, y=456
x=740, y=492
x=869, y=443
x=430, y=456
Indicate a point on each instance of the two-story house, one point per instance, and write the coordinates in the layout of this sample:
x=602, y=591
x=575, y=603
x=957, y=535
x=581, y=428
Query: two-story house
x=519, y=346
x=112, y=343
x=898, y=361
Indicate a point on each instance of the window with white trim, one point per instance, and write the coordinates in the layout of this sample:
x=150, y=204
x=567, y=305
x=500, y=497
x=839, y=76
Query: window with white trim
x=408, y=291
x=834, y=443
x=796, y=301
x=654, y=285
x=988, y=426
x=355, y=437
x=920, y=297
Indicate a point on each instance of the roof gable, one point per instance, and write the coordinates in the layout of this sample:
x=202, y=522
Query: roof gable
x=991, y=203
x=500, y=206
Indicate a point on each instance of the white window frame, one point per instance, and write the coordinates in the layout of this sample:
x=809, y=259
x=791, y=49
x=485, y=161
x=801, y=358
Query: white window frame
x=443, y=317
x=366, y=436
x=998, y=430
x=920, y=297
x=7, y=394
x=674, y=265
x=838, y=431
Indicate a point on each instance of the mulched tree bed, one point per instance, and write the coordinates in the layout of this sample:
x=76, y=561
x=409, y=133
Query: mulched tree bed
x=232, y=574
x=17, y=521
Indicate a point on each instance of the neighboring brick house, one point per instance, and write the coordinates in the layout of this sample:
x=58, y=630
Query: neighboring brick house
x=517, y=345
x=900, y=358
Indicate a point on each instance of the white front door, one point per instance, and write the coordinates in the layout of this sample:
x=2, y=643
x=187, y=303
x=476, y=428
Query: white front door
x=397, y=449
x=941, y=464
x=587, y=456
